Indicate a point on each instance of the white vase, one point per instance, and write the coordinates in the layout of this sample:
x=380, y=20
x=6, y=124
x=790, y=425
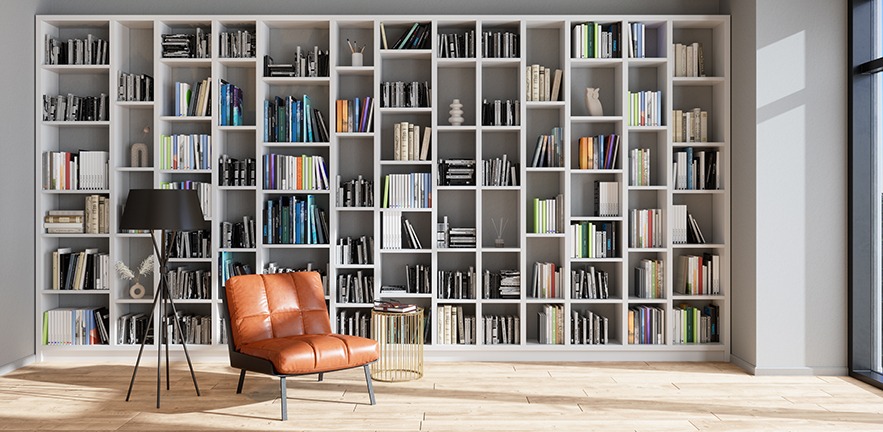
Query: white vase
x=137, y=291
x=456, y=112
x=593, y=103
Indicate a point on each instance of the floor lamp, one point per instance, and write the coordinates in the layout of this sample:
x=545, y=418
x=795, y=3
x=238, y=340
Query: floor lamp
x=168, y=211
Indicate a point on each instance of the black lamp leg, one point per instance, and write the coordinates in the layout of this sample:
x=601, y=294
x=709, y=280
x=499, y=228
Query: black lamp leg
x=183, y=342
x=143, y=340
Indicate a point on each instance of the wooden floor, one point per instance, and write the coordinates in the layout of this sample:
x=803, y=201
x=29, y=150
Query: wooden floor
x=451, y=397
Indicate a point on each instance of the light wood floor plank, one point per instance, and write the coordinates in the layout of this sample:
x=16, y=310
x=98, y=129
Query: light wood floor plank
x=451, y=397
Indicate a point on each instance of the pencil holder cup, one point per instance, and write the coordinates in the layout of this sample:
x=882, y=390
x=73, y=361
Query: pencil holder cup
x=357, y=59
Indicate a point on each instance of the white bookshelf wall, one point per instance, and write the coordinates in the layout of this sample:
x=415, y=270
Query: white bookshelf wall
x=134, y=43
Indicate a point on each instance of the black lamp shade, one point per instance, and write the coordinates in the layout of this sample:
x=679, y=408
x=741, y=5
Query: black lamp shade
x=162, y=209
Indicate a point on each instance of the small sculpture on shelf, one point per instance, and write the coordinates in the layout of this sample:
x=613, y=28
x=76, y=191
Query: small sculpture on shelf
x=499, y=242
x=456, y=113
x=139, y=152
x=593, y=103
x=137, y=290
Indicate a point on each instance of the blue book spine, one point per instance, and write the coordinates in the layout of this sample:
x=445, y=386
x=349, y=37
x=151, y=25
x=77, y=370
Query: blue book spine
x=266, y=121
x=690, y=185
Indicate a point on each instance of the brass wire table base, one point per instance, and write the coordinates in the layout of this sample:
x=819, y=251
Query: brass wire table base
x=400, y=338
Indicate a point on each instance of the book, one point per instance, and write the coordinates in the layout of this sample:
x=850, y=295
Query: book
x=393, y=306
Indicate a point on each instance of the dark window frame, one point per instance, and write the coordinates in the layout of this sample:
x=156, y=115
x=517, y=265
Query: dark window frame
x=862, y=155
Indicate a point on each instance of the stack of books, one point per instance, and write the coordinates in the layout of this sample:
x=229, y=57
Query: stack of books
x=393, y=306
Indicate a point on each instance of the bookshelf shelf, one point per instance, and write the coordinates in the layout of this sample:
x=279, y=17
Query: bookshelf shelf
x=76, y=292
x=135, y=48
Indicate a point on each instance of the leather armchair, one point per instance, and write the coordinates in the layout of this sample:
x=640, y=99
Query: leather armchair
x=278, y=324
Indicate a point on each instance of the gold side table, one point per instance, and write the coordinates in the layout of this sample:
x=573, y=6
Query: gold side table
x=400, y=339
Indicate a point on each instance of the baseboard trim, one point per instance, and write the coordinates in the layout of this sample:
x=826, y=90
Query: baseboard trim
x=788, y=371
x=744, y=365
x=20, y=363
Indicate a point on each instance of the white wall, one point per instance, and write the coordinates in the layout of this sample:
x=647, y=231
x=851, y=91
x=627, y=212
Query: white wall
x=789, y=159
x=790, y=185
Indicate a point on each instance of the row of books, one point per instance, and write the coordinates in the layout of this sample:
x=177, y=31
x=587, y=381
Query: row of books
x=84, y=270
x=203, y=190
x=646, y=228
x=454, y=326
x=407, y=143
x=288, y=172
x=457, y=284
x=589, y=283
x=294, y=220
x=646, y=325
x=413, y=190
x=596, y=40
x=500, y=44
x=456, y=172
x=684, y=228
x=237, y=44
x=599, y=152
x=696, y=325
x=548, y=151
x=542, y=83
x=551, y=324
x=456, y=45
x=637, y=39
x=230, y=267
x=689, y=60
x=190, y=244
x=235, y=172
x=548, y=215
x=195, y=99
x=184, y=45
x=400, y=94
x=606, y=198
x=93, y=219
x=194, y=329
x=358, y=192
x=133, y=87
x=645, y=108
x=594, y=240
x=500, y=112
x=76, y=326
x=696, y=169
x=83, y=170
x=689, y=125
x=418, y=279
x=288, y=119
x=230, y=104
x=355, y=250
x=239, y=235
x=76, y=108
x=188, y=284
x=502, y=329
x=307, y=63
x=354, y=322
x=639, y=167
x=547, y=281
x=698, y=275
x=132, y=329
x=92, y=50
x=649, y=279
x=500, y=171
x=355, y=288
x=354, y=115
x=589, y=328
x=416, y=37
x=185, y=152
x=397, y=232
x=503, y=284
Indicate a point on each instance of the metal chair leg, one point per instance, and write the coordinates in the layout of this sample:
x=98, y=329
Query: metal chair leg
x=321, y=376
x=370, y=386
x=241, y=381
x=284, y=398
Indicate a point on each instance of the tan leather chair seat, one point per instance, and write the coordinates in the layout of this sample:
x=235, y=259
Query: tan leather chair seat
x=297, y=355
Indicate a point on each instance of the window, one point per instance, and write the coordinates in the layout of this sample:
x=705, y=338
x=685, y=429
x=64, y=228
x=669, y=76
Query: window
x=866, y=191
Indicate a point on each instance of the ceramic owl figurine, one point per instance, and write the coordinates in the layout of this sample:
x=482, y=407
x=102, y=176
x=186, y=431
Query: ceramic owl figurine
x=593, y=103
